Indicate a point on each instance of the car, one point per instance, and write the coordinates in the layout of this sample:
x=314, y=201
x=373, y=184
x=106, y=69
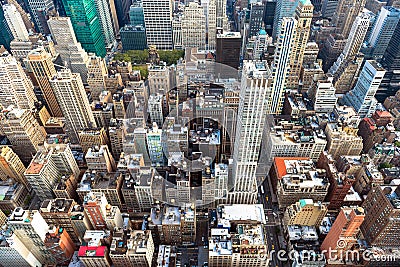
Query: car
x=272, y=247
x=266, y=198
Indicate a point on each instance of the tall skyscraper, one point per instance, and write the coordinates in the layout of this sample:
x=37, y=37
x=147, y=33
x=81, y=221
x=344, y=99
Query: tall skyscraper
x=23, y=131
x=194, y=26
x=103, y=13
x=384, y=26
x=221, y=13
x=5, y=34
x=362, y=97
x=253, y=109
x=157, y=18
x=71, y=52
x=122, y=10
x=15, y=23
x=43, y=69
x=280, y=65
x=256, y=18
x=269, y=14
x=345, y=14
x=304, y=15
x=391, y=62
x=38, y=8
x=284, y=8
x=71, y=95
x=87, y=25
x=353, y=43
x=15, y=87
x=136, y=16
x=212, y=24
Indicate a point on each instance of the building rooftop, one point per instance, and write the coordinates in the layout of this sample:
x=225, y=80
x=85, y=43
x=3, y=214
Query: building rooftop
x=129, y=242
x=171, y=216
x=306, y=233
x=392, y=194
x=56, y=205
x=86, y=251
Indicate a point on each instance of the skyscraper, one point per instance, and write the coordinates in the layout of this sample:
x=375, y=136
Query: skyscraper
x=280, y=65
x=103, y=13
x=15, y=23
x=15, y=87
x=87, y=25
x=304, y=14
x=11, y=166
x=97, y=71
x=384, y=26
x=284, y=8
x=221, y=13
x=362, y=97
x=391, y=62
x=23, y=131
x=71, y=52
x=122, y=10
x=269, y=14
x=69, y=91
x=5, y=34
x=38, y=8
x=43, y=69
x=194, y=26
x=212, y=24
x=345, y=14
x=256, y=18
x=253, y=109
x=157, y=18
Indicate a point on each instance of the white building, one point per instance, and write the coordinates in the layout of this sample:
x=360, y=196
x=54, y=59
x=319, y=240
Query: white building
x=15, y=23
x=323, y=96
x=71, y=52
x=155, y=106
x=253, y=107
x=15, y=86
x=97, y=72
x=157, y=19
x=194, y=26
x=280, y=65
x=362, y=97
x=71, y=95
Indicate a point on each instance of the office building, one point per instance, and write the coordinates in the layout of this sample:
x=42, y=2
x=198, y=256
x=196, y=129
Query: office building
x=303, y=15
x=14, y=252
x=297, y=178
x=87, y=25
x=256, y=18
x=15, y=86
x=322, y=94
x=155, y=106
x=92, y=137
x=281, y=64
x=158, y=78
x=100, y=159
x=343, y=234
x=194, y=26
x=224, y=249
x=95, y=205
x=345, y=14
x=13, y=195
x=23, y=131
x=305, y=212
x=71, y=95
x=15, y=22
x=228, y=48
x=104, y=16
x=158, y=17
x=92, y=252
x=41, y=64
x=382, y=31
x=97, y=71
x=5, y=35
x=283, y=9
x=11, y=166
x=154, y=145
x=132, y=248
x=58, y=212
x=362, y=97
x=382, y=213
x=60, y=245
x=255, y=100
x=122, y=12
x=39, y=10
x=136, y=16
x=71, y=52
x=31, y=229
x=133, y=37
x=343, y=140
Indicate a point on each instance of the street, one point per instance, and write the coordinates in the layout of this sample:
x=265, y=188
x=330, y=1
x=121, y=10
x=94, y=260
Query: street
x=273, y=226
